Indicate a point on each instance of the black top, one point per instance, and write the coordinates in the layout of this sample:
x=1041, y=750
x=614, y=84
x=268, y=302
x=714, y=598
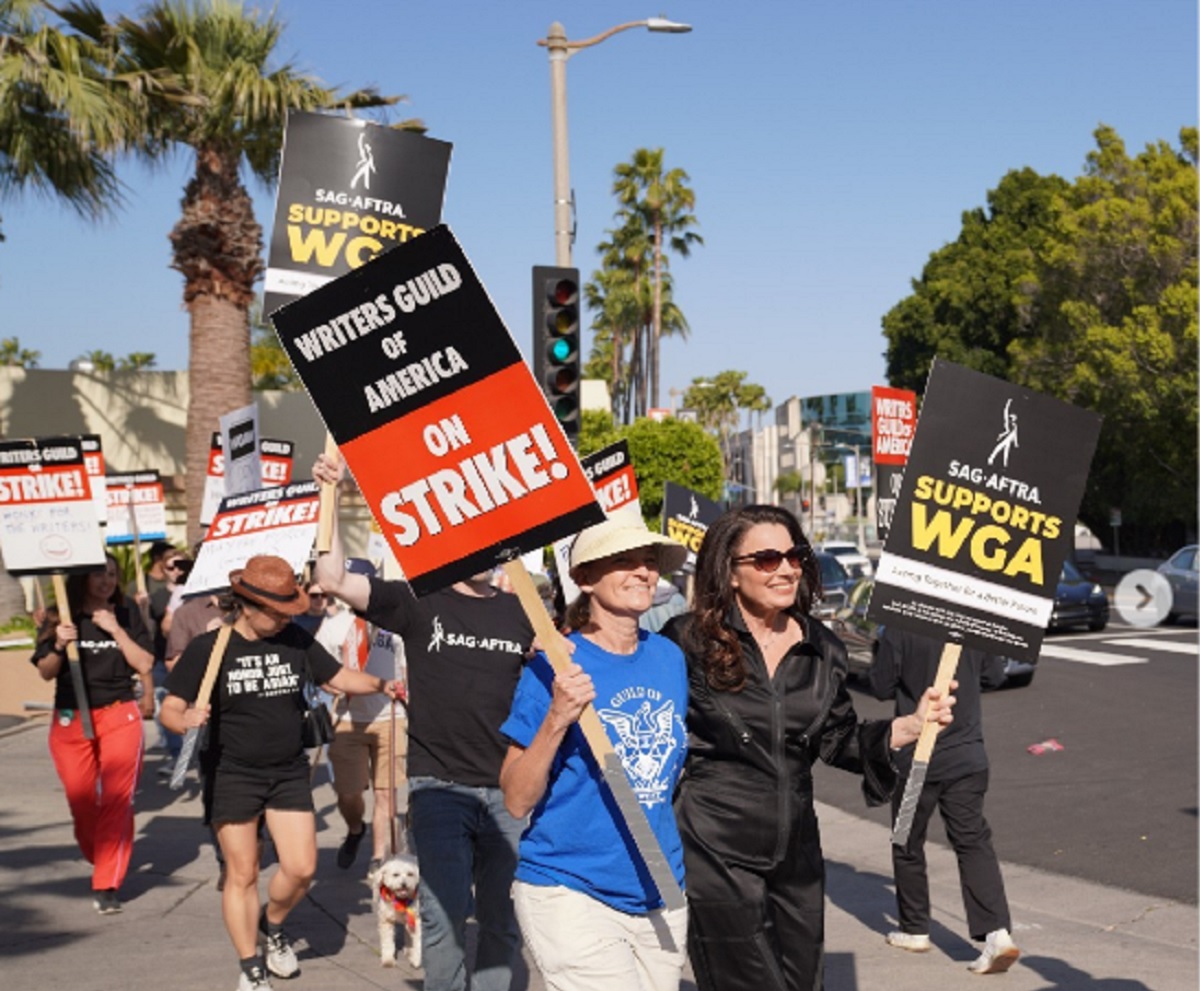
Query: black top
x=258, y=700
x=464, y=656
x=107, y=676
x=748, y=781
x=905, y=665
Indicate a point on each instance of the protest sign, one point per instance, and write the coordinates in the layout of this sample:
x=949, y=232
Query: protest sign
x=48, y=518
x=280, y=521
x=687, y=515
x=348, y=190
x=985, y=515
x=437, y=415
x=276, y=459
x=239, y=442
x=614, y=481
x=893, y=424
x=136, y=508
x=93, y=463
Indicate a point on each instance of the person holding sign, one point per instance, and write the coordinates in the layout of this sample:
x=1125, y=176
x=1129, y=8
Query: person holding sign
x=465, y=648
x=767, y=699
x=98, y=775
x=956, y=785
x=255, y=763
x=590, y=914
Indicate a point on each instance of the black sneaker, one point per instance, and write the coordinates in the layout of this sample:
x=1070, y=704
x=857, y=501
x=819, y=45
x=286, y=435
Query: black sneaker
x=106, y=901
x=349, y=848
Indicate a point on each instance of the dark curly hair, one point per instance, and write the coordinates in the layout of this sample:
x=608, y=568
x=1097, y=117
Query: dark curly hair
x=708, y=636
x=76, y=586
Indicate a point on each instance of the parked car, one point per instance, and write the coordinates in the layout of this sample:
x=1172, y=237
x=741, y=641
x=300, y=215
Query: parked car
x=835, y=584
x=861, y=637
x=1078, y=601
x=1181, y=572
x=856, y=563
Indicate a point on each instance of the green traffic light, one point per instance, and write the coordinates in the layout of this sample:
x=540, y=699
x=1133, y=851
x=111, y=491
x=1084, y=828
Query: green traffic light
x=560, y=350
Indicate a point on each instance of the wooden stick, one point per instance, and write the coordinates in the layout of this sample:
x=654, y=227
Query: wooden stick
x=73, y=665
x=947, y=668
x=392, y=777
x=328, y=503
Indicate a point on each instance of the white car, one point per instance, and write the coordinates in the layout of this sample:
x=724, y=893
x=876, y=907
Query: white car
x=856, y=563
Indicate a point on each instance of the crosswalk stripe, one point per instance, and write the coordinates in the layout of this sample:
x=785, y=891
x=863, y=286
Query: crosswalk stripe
x=1090, y=656
x=1165, y=646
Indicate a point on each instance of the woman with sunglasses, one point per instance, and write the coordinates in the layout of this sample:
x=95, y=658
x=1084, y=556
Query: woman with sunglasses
x=99, y=775
x=767, y=699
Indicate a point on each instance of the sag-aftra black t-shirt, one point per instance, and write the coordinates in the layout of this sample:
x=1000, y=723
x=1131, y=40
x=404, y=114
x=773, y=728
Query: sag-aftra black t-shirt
x=465, y=656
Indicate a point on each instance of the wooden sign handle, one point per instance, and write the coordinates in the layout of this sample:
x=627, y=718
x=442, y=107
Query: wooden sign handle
x=139, y=575
x=328, y=504
x=214, y=665
x=551, y=643
x=73, y=665
x=947, y=668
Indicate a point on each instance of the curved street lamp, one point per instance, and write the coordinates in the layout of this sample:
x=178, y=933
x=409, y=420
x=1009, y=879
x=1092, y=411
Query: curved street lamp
x=560, y=50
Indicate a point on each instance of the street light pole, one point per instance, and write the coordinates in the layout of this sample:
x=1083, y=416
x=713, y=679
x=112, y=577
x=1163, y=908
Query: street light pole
x=560, y=49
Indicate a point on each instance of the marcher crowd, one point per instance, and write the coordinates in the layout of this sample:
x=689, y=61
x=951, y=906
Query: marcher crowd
x=471, y=735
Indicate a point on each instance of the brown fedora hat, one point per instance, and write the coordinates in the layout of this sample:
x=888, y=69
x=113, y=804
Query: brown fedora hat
x=269, y=581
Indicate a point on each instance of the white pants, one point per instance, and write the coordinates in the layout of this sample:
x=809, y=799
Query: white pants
x=580, y=944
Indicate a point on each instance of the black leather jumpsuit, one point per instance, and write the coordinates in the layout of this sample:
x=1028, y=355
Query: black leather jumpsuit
x=752, y=849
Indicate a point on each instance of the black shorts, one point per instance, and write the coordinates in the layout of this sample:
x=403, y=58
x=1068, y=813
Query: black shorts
x=242, y=796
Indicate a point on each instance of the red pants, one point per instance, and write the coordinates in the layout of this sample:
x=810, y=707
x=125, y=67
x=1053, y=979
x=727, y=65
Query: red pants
x=99, y=777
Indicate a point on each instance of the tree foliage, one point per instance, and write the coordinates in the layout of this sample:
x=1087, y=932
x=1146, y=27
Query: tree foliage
x=12, y=354
x=1086, y=291
x=720, y=401
x=630, y=294
x=669, y=450
x=59, y=119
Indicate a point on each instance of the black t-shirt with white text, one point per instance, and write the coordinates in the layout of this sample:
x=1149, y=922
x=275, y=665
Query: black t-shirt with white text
x=258, y=700
x=464, y=654
x=106, y=674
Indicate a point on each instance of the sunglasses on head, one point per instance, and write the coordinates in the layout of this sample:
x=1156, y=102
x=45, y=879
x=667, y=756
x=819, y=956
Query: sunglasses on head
x=769, y=560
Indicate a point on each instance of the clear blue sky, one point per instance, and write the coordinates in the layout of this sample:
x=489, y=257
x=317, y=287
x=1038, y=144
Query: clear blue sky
x=832, y=145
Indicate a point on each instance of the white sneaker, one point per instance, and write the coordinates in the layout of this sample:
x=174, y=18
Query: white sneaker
x=256, y=980
x=913, y=942
x=281, y=958
x=999, y=953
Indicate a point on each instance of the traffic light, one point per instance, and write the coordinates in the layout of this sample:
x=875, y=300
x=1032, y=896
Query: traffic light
x=556, y=342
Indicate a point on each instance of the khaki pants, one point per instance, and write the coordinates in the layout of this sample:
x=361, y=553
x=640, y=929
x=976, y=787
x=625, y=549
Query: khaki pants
x=360, y=755
x=581, y=944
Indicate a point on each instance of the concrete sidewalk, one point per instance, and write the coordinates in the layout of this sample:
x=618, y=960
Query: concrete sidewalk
x=1073, y=935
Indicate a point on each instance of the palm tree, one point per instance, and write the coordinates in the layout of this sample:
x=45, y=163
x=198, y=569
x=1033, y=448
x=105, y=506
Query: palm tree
x=205, y=76
x=718, y=403
x=622, y=294
x=58, y=121
x=13, y=355
x=665, y=201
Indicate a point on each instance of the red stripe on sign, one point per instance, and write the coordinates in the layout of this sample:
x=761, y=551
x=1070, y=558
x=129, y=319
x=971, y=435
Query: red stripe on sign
x=467, y=472
x=45, y=485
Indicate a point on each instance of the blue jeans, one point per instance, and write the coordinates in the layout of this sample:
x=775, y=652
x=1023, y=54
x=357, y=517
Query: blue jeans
x=464, y=836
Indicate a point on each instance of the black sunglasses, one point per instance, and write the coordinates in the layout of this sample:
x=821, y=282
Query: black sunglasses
x=770, y=560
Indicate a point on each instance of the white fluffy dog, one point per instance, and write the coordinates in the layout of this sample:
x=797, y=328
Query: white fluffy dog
x=394, y=894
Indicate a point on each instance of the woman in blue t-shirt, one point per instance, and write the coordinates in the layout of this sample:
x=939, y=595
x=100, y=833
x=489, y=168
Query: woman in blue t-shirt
x=589, y=911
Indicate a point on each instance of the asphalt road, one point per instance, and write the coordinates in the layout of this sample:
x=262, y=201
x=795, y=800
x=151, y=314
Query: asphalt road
x=1117, y=805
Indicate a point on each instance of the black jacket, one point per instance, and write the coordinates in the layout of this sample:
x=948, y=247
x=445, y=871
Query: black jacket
x=748, y=780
